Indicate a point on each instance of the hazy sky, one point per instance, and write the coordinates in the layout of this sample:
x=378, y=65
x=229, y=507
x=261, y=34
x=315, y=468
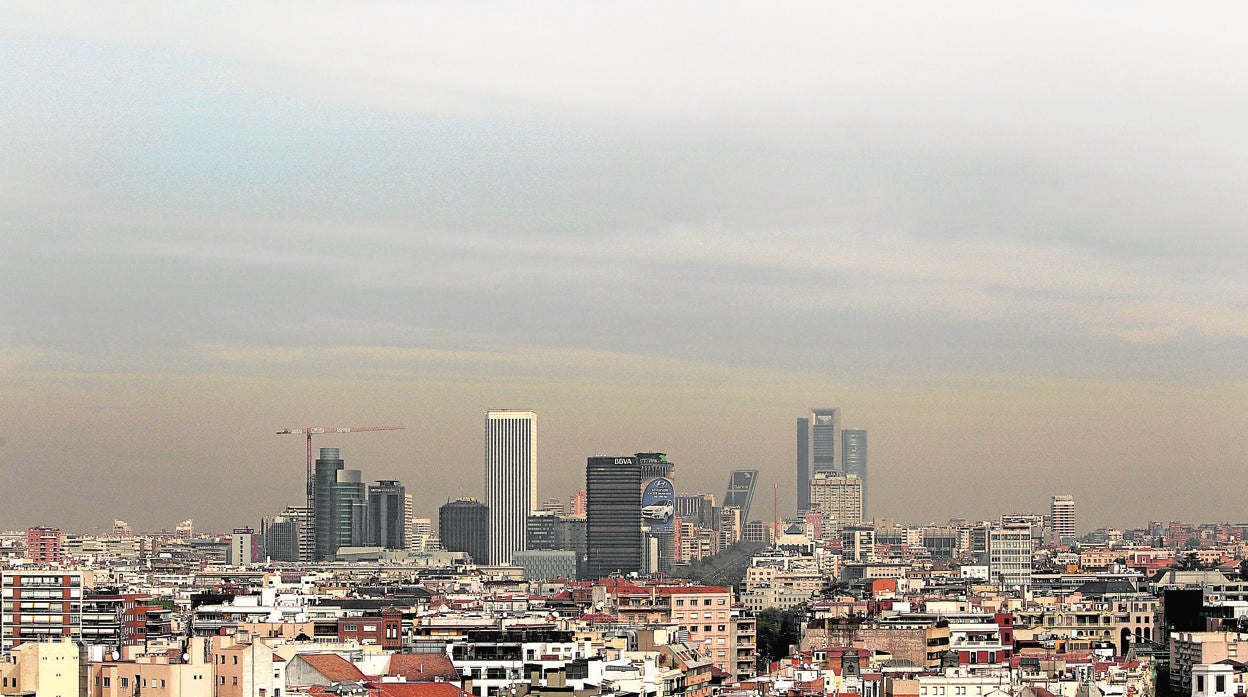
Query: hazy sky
x=1006, y=238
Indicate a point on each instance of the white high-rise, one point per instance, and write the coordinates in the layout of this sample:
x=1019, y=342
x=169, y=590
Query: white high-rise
x=1062, y=515
x=510, y=478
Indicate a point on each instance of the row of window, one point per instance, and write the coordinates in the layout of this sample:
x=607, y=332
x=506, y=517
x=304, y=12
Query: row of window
x=158, y=684
x=41, y=580
x=705, y=628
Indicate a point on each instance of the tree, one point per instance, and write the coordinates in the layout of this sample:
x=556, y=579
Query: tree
x=1191, y=562
x=776, y=630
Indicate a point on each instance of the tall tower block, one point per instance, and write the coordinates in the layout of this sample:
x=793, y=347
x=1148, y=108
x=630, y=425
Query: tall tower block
x=510, y=478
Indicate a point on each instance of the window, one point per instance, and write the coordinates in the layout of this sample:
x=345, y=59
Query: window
x=706, y=602
x=349, y=628
x=106, y=681
x=125, y=682
x=234, y=680
x=235, y=660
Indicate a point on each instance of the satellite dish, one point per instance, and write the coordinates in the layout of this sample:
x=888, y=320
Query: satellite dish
x=116, y=655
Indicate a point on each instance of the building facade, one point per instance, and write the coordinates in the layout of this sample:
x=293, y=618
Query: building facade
x=854, y=461
x=838, y=498
x=741, y=490
x=1062, y=515
x=464, y=526
x=510, y=479
x=40, y=606
x=1009, y=554
x=818, y=449
x=387, y=514
x=43, y=545
x=613, y=516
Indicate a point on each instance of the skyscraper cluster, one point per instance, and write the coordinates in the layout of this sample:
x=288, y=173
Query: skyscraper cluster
x=349, y=513
x=839, y=455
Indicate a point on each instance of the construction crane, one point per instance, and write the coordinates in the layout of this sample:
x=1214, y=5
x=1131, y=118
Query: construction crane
x=311, y=431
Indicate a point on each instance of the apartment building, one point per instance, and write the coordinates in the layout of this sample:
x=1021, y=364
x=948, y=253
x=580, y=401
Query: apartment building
x=39, y=605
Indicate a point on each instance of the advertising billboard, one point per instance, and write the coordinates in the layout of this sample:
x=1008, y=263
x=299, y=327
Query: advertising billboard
x=658, y=505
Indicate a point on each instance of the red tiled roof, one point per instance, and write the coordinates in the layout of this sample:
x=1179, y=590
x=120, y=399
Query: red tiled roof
x=335, y=668
x=416, y=689
x=423, y=667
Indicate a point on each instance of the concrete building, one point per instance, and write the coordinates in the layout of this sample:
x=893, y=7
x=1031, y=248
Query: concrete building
x=124, y=619
x=858, y=543
x=510, y=479
x=50, y=606
x=1190, y=649
x=1009, y=549
x=922, y=640
x=705, y=612
x=43, y=545
x=1062, y=514
x=42, y=668
x=133, y=673
x=245, y=667
x=838, y=498
x=246, y=547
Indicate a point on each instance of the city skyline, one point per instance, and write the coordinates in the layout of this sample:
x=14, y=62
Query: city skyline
x=1006, y=240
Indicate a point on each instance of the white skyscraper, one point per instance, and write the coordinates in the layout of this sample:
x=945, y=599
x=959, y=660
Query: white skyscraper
x=510, y=478
x=1062, y=513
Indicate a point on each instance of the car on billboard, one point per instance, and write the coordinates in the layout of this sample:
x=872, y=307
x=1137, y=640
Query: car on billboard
x=660, y=511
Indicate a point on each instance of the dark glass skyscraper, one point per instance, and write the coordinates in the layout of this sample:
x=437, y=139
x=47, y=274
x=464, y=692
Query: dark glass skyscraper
x=825, y=441
x=741, y=491
x=613, y=516
x=340, y=502
x=387, y=514
x=324, y=513
x=854, y=460
x=464, y=526
x=803, y=465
